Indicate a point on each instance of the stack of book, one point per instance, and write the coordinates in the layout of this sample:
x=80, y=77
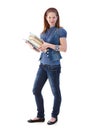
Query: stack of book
x=34, y=41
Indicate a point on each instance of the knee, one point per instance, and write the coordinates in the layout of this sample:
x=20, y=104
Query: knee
x=35, y=91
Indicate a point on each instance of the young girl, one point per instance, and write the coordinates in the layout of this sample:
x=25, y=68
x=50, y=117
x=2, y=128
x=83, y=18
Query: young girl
x=54, y=41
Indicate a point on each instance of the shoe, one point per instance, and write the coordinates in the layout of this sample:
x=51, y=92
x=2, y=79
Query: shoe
x=36, y=120
x=52, y=122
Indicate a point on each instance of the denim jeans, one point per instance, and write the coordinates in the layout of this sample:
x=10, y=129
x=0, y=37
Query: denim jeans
x=52, y=73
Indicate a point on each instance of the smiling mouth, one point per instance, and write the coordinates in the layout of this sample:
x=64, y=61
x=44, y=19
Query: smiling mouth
x=52, y=22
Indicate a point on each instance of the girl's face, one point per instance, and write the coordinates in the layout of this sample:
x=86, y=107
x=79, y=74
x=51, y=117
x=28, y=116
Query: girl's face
x=51, y=18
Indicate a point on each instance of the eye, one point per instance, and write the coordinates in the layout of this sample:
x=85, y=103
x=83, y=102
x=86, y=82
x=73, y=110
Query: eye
x=54, y=17
x=49, y=17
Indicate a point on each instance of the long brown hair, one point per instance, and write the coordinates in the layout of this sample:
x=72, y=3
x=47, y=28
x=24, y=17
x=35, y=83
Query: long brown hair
x=46, y=25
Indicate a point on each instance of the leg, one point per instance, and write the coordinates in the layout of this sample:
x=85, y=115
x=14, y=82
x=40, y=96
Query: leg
x=53, y=75
x=41, y=78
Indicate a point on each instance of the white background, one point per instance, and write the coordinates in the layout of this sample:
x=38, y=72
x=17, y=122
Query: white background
x=19, y=64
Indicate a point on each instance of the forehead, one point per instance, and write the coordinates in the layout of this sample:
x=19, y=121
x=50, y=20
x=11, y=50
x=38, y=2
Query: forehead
x=51, y=14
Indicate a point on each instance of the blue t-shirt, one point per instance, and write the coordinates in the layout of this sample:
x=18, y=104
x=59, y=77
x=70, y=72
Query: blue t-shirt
x=49, y=37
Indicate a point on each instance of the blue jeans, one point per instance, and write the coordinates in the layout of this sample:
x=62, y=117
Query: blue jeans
x=52, y=73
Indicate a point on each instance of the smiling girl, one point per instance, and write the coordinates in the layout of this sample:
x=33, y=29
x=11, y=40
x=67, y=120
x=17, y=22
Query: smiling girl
x=54, y=41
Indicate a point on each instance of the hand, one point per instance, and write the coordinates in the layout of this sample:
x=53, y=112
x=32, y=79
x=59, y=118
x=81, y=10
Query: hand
x=44, y=46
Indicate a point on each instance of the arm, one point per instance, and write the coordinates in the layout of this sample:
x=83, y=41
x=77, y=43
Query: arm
x=62, y=47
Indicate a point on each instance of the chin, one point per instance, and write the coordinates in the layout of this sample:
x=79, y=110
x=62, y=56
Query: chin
x=51, y=25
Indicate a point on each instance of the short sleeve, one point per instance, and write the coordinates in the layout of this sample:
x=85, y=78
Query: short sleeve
x=62, y=32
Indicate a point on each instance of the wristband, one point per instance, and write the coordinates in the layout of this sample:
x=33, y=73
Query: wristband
x=56, y=47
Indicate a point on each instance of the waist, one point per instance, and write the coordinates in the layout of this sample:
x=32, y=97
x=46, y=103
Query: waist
x=41, y=64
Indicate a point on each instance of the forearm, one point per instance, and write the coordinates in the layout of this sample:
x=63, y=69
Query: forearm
x=61, y=47
x=57, y=47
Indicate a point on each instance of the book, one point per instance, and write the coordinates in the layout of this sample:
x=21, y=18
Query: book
x=34, y=41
